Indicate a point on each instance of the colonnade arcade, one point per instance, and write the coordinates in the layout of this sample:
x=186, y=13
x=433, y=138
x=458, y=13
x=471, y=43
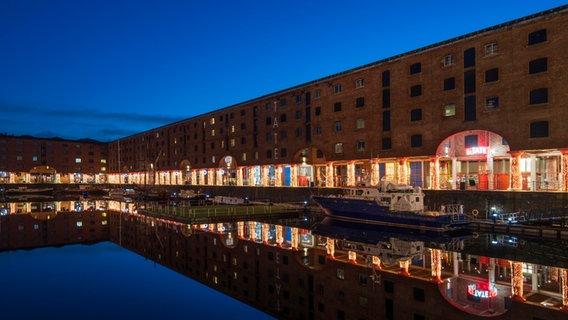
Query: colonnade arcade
x=474, y=159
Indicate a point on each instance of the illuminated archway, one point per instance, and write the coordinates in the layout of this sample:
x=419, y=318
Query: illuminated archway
x=43, y=174
x=311, y=167
x=474, y=159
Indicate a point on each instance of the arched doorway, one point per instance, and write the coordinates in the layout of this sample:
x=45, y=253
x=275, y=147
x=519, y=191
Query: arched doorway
x=228, y=166
x=42, y=174
x=185, y=168
x=311, y=167
x=474, y=159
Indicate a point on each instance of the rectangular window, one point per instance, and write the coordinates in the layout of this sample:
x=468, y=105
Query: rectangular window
x=415, y=68
x=338, y=126
x=360, y=124
x=337, y=88
x=469, y=109
x=359, y=83
x=389, y=309
x=539, y=129
x=469, y=81
x=492, y=103
x=337, y=107
x=471, y=141
x=360, y=102
x=268, y=121
x=360, y=145
x=339, y=147
x=386, y=121
x=492, y=75
x=469, y=58
x=537, y=37
x=416, y=90
x=389, y=286
x=298, y=114
x=449, y=110
x=386, y=144
x=416, y=140
x=418, y=294
x=283, y=152
x=317, y=111
x=449, y=84
x=538, y=65
x=449, y=60
x=386, y=78
x=77, y=160
x=298, y=132
x=538, y=96
x=317, y=93
x=491, y=49
x=416, y=115
x=268, y=154
x=386, y=98
x=283, y=117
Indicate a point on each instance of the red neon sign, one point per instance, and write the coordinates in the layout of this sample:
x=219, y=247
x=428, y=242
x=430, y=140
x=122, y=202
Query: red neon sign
x=481, y=290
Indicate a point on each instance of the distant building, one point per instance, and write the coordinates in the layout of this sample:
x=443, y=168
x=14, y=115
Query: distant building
x=25, y=159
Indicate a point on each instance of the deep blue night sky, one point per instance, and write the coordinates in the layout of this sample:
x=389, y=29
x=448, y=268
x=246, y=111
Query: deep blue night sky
x=107, y=69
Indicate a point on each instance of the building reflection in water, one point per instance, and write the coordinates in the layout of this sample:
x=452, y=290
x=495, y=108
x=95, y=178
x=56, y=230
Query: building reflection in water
x=318, y=268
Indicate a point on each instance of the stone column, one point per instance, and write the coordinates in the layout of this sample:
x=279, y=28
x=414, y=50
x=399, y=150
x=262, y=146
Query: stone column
x=376, y=262
x=435, y=173
x=240, y=176
x=402, y=171
x=516, y=177
x=351, y=173
x=490, y=172
x=436, y=265
x=264, y=228
x=517, y=281
x=404, y=264
x=563, y=186
x=278, y=176
x=533, y=181
x=279, y=239
x=329, y=175
x=293, y=175
x=455, y=182
x=240, y=229
x=374, y=172
x=456, y=262
x=352, y=256
x=564, y=276
x=264, y=174
x=295, y=238
x=330, y=246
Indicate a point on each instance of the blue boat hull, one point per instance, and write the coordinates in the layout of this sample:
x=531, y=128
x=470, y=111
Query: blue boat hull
x=369, y=211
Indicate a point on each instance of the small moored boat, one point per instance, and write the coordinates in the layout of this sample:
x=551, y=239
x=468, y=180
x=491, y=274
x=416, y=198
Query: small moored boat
x=398, y=205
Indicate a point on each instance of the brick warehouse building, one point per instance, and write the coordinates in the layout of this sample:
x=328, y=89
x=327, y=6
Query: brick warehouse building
x=26, y=159
x=483, y=111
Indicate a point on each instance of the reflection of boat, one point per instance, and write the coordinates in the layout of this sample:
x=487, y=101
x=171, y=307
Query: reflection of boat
x=389, y=244
x=373, y=234
x=391, y=204
x=25, y=190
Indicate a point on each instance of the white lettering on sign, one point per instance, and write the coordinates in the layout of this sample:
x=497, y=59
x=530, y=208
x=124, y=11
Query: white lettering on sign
x=476, y=150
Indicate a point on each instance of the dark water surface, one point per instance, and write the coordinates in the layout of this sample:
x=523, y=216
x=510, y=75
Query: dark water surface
x=105, y=281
